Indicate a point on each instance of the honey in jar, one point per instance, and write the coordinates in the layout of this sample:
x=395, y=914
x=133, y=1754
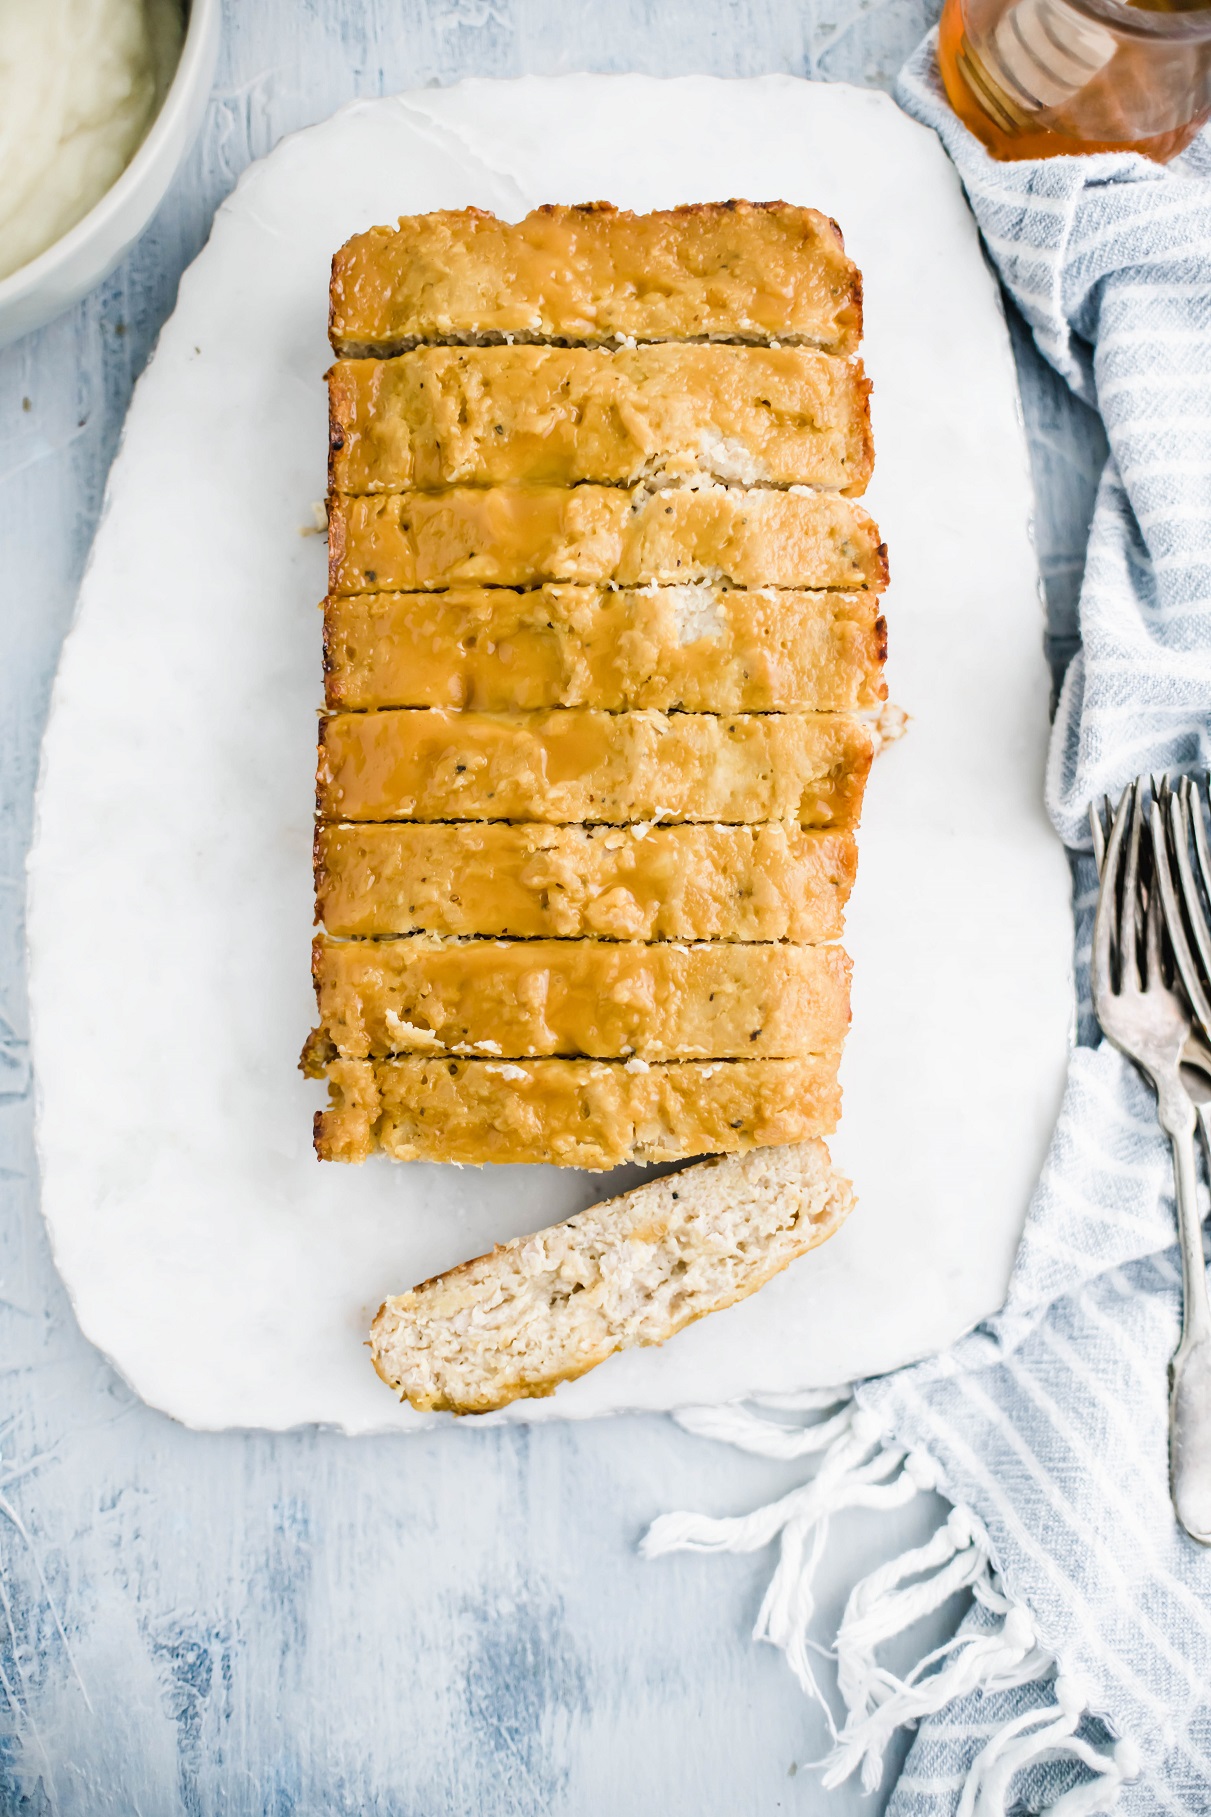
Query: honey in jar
x=1037, y=78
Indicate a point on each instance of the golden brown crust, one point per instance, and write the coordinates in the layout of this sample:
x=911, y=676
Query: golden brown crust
x=686, y=882
x=731, y=270
x=593, y=1114
x=521, y=536
x=604, y=999
x=576, y=765
x=701, y=649
x=560, y=416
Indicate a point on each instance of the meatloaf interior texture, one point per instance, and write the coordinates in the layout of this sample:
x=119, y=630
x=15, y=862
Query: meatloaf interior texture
x=634, y=1270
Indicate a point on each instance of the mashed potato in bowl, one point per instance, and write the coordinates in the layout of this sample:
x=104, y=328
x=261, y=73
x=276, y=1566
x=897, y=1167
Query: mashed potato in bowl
x=80, y=83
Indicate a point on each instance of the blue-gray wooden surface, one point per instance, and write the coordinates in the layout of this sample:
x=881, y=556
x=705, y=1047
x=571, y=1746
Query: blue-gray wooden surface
x=455, y=1622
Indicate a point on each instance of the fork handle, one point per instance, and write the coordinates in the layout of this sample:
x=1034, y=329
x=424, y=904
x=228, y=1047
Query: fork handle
x=1190, y=1370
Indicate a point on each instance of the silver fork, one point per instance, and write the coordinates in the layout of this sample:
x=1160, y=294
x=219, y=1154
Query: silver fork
x=1148, y=1022
x=1196, y=1055
x=1181, y=820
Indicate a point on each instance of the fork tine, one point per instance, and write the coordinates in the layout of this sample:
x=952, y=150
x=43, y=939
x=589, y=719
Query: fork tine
x=1099, y=836
x=1174, y=925
x=1196, y=920
x=1201, y=850
x=1197, y=989
x=1153, y=922
x=1128, y=926
x=1160, y=794
x=1102, y=961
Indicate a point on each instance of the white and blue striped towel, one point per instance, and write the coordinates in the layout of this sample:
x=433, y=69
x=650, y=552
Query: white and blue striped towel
x=1081, y=1680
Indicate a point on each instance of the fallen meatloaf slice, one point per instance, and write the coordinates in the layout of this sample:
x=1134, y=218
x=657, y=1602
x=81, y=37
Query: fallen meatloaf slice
x=490, y=416
x=701, y=648
x=575, y=765
x=688, y=882
x=593, y=1114
x=606, y=999
x=519, y=536
x=634, y=1270
x=735, y=271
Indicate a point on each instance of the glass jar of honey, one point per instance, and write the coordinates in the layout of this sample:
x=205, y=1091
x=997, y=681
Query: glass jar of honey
x=1036, y=78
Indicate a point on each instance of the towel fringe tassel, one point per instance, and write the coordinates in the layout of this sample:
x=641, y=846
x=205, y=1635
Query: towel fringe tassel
x=857, y=1469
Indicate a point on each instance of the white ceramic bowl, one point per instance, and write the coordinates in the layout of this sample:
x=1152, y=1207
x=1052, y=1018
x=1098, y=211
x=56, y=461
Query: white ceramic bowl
x=88, y=252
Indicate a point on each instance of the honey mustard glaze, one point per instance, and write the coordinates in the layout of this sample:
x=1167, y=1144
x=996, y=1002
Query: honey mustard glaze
x=603, y=999
x=735, y=270
x=602, y=610
x=577, y=1113
x=521, y=536
x=679, y=882
x=573, y=765
x=698, y=647
x=561, y=416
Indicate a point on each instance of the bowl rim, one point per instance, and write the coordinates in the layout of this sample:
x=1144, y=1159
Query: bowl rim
x=193, y=56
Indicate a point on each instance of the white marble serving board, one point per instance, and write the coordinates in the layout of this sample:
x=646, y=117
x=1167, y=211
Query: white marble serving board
x=227, y=1274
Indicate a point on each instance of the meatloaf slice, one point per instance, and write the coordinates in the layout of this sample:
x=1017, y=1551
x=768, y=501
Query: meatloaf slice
x=490, y=416
x=688, y=882
x=593, y=1114
x=736, y=271
x=576, y=764
x=520, y=536
x=606, y=999
x=697, y=648
x=543, y=1309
